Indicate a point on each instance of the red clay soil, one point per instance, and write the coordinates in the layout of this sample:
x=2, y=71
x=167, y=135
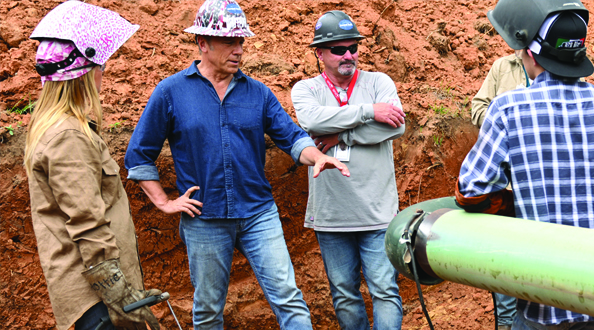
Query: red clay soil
x=437, y=52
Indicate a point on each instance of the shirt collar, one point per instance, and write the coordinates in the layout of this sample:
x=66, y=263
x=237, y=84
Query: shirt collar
x=193, y=70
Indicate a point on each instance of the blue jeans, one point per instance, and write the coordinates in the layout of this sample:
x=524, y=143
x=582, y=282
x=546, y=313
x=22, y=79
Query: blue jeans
x=345, y=254
x=506, y=309
x=260, y=239
x=91, y=318
x=521, y=323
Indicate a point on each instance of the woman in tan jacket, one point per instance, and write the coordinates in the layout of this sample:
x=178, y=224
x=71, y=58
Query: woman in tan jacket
x=81, y=217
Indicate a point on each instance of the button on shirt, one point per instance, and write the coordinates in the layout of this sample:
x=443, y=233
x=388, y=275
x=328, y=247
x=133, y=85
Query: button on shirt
x=542, y=138
x=217, y=145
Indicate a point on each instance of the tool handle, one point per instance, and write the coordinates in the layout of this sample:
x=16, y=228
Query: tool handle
x=149, y=301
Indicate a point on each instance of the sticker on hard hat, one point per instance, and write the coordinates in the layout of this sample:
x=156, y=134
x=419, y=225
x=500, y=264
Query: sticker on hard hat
x=319, y=23
x=345, y=24
x=569, y=43
x=234, y=8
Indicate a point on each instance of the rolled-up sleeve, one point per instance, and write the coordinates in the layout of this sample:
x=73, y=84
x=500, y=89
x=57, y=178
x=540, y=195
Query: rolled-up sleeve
x=281, y=128
x=147, y=140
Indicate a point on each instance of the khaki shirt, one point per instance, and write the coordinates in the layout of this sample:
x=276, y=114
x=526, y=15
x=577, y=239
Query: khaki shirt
x=506, y=74
x=81, y=217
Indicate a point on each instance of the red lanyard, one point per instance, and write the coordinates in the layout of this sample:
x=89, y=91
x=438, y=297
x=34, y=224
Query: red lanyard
x=335, y=92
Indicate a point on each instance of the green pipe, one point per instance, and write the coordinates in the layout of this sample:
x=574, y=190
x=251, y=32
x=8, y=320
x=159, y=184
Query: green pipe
x=540, y=262
x=397, y=251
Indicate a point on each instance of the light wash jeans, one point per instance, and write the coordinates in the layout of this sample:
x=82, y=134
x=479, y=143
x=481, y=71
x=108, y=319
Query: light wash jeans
x=506, y=309
x=260, y=239
x=345, y=255
x=520, y=323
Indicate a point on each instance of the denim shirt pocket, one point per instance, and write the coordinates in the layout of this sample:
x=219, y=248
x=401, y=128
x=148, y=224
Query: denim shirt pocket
x=110, y=182
x=246, y=116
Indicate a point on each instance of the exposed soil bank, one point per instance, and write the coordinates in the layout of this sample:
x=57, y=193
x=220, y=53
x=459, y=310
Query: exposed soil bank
x=437, y=52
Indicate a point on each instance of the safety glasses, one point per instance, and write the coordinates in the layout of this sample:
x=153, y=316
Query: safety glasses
x=341, y=50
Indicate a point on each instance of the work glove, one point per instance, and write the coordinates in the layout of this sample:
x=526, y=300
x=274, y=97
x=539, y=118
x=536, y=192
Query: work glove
x=500, y=202
x=111, y=286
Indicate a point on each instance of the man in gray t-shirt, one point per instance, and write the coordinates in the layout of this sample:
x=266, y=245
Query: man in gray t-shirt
x=352, y=115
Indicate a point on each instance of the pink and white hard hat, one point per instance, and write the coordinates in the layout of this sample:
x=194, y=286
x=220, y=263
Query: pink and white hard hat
x=220, y=18
x=97, y=32
x=60, y=60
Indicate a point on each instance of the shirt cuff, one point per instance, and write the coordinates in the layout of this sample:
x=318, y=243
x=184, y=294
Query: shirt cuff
x=298, y=147
x=368, y=112
x=143, y=173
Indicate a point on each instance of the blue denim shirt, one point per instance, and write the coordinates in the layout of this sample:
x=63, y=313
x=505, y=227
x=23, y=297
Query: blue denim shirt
x=217, y=145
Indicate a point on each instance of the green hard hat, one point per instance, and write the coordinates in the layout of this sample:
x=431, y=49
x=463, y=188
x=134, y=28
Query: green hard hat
x=518, y=21
x=334, y=25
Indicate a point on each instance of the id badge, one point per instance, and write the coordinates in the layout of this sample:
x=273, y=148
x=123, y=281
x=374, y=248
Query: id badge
x=342, y=152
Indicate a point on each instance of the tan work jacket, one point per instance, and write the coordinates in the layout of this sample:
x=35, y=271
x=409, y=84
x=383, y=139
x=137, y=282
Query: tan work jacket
x=81, y=217
x=506, y=74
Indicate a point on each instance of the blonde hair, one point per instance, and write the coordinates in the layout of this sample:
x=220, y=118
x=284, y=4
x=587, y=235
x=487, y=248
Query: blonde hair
x=58, y=101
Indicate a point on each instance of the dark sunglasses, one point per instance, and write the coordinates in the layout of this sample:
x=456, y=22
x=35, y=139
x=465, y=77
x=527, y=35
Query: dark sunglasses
x=341, y=50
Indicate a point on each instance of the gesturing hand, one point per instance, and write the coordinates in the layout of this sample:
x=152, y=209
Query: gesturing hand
x=325, y=162
x=183, y=204
x=389, y=114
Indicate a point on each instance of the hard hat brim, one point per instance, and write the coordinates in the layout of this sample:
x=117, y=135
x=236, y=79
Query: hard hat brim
x=204, y=31
x=568, y=70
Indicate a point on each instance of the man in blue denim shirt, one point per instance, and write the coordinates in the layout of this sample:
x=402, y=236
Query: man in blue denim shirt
x=215, y=118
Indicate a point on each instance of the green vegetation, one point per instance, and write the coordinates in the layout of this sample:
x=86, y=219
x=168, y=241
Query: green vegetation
x=114, y=125
x=26, y=109
x=9, y=129
x=437, y=141
x=466, y=101
x=440, y=109
x=444, y=91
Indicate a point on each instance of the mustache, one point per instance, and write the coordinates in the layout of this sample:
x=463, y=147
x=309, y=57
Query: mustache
x=347, y=62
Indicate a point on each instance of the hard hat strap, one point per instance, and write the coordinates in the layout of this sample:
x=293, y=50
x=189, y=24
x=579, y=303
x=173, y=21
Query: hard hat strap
x=46, y=69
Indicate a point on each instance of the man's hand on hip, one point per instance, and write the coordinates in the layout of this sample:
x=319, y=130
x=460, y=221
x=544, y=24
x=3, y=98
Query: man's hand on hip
x=182, y=204
x=389, y=114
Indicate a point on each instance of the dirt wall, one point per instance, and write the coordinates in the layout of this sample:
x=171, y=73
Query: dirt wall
x=437, y=52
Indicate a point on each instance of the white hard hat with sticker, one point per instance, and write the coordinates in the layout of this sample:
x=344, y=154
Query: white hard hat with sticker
x=220, y=18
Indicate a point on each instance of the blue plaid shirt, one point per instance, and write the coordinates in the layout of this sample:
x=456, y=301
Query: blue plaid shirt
x=542, y=140
x=217, y=145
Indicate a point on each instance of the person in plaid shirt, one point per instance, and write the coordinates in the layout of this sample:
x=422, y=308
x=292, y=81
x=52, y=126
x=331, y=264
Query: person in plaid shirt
x=541, y=138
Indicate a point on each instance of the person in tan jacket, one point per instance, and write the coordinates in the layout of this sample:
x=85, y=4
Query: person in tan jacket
x=506, y=74
x=81, y=216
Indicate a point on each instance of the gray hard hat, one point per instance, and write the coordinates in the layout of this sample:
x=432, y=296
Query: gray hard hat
x=518, y=21
x=334, y=25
